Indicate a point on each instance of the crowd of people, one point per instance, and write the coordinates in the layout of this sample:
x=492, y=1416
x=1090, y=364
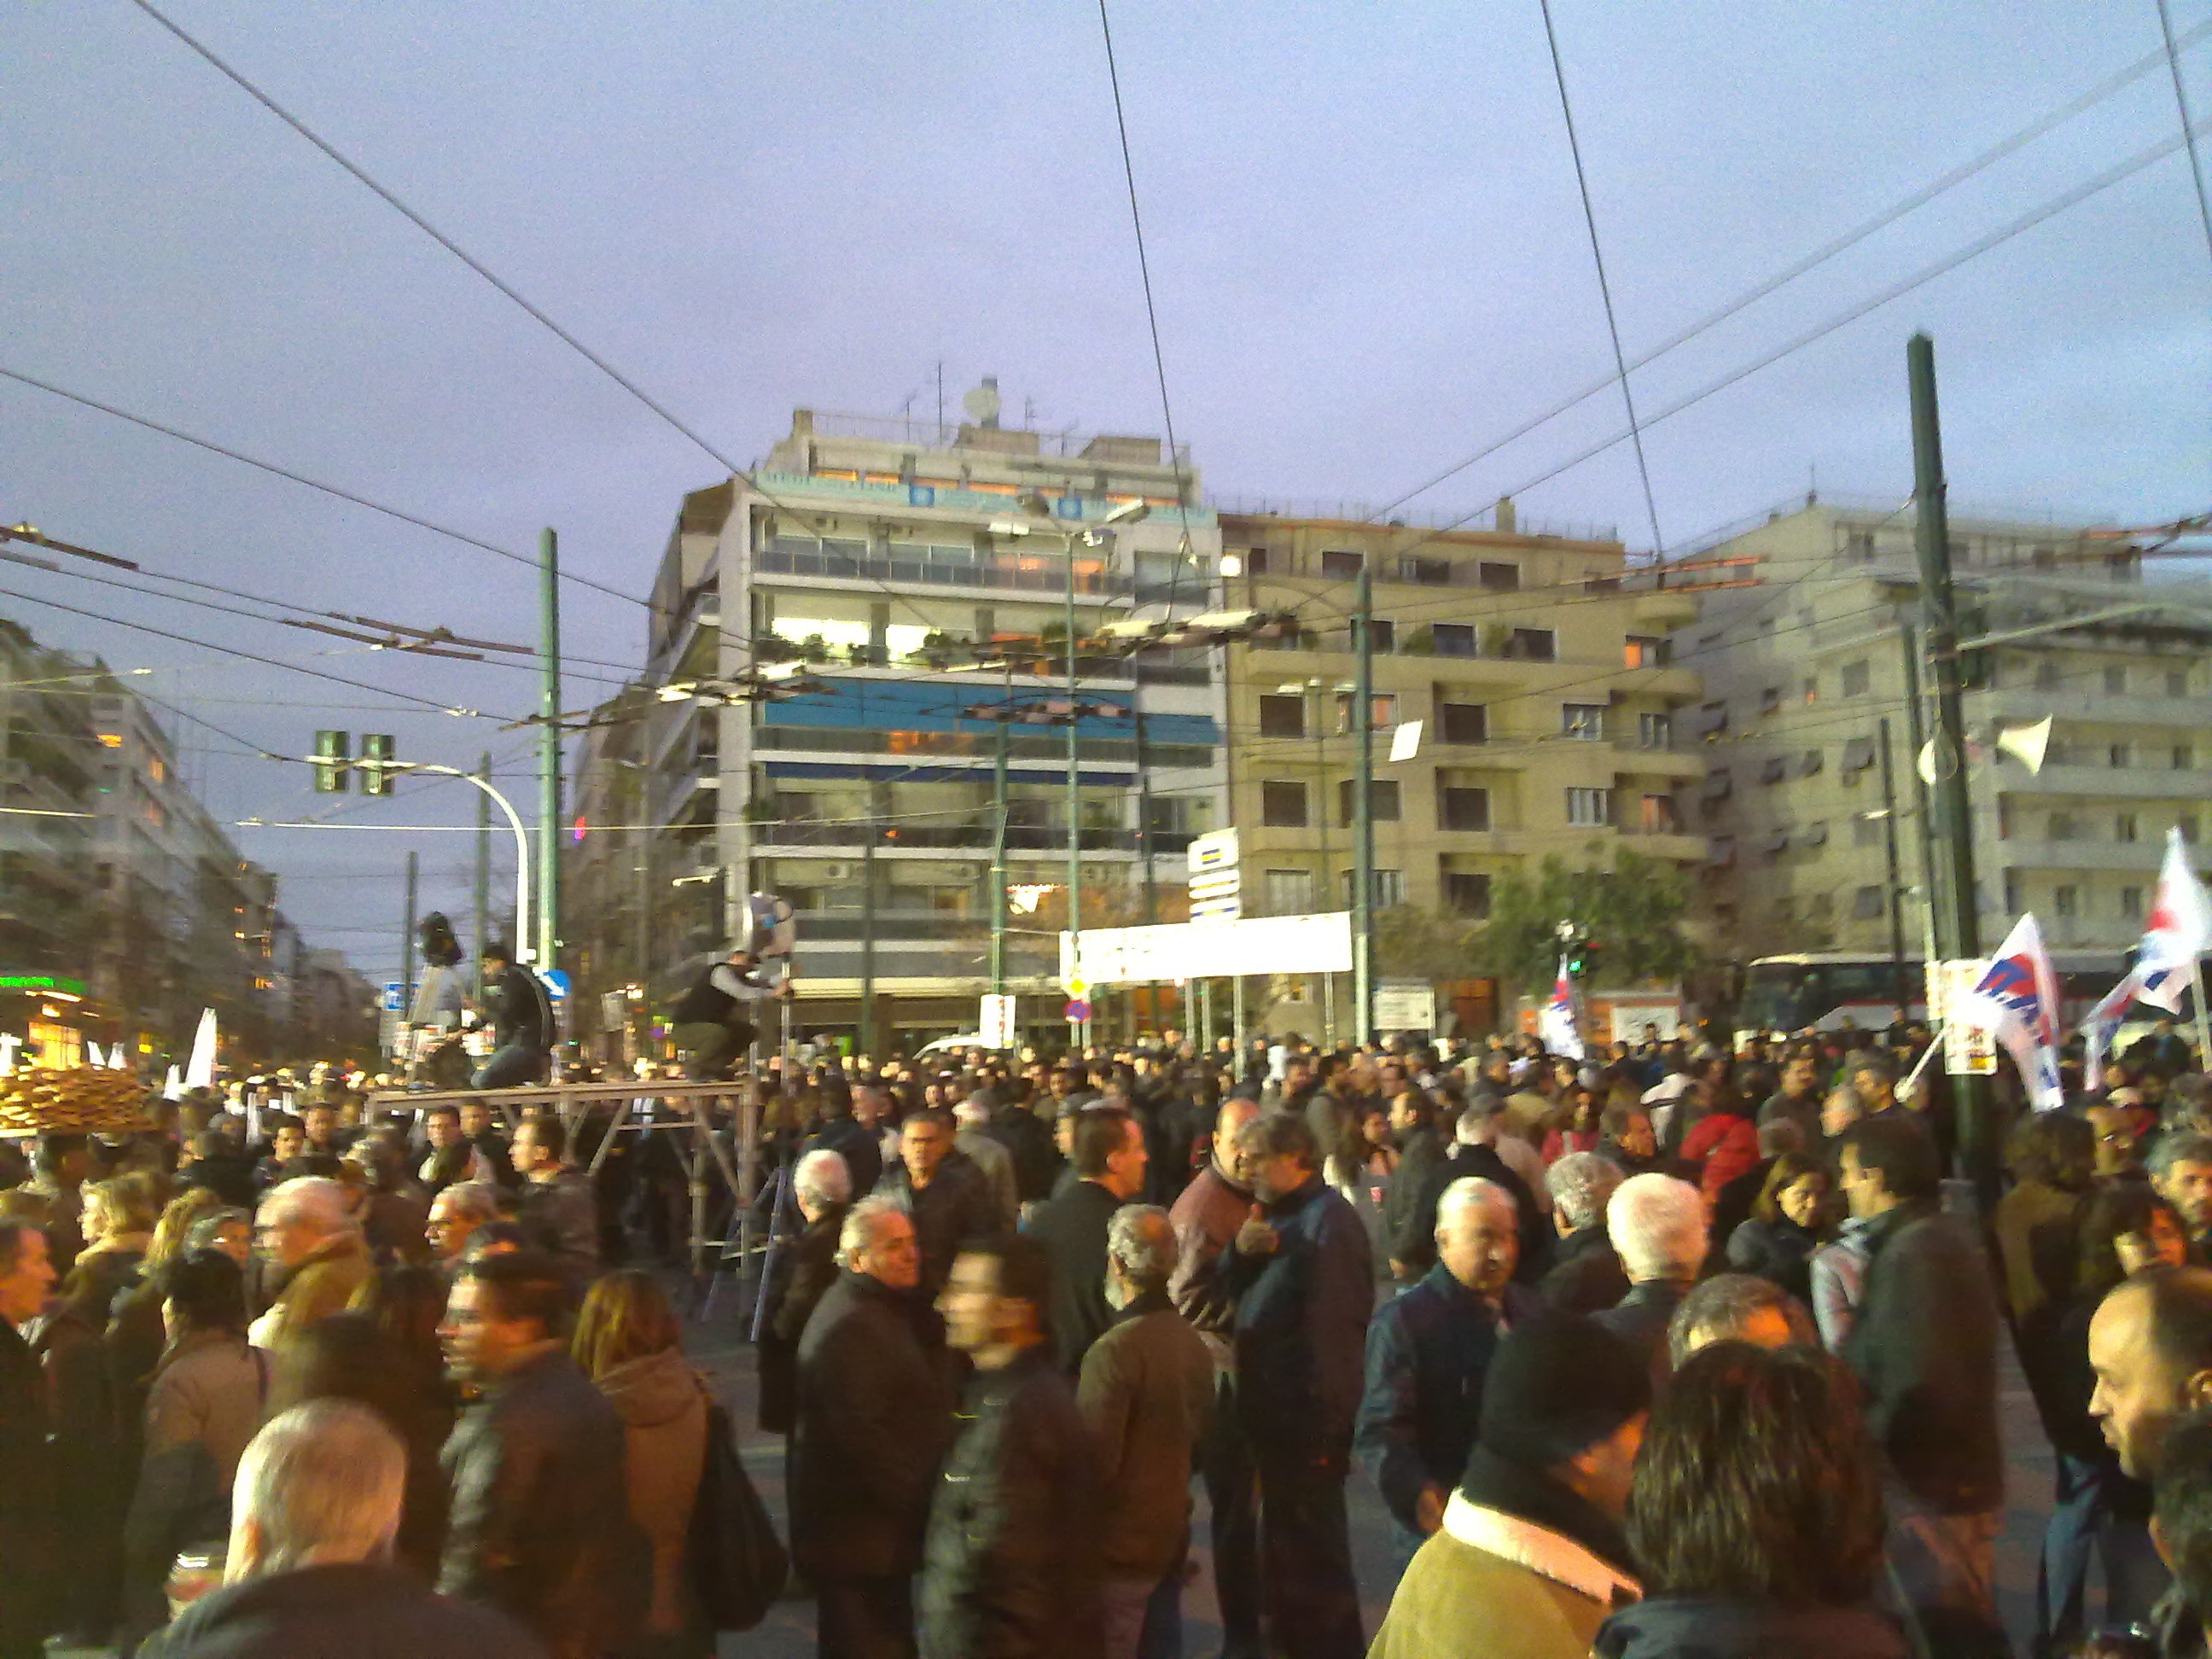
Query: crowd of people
x=1673, y=1350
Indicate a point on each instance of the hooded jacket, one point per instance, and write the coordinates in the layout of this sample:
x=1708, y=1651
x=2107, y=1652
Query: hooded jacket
x=1689, y=1627
x=664, y=1413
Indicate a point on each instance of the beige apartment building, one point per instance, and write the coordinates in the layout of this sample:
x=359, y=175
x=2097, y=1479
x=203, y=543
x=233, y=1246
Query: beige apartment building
x=1539, y=667
x=1803, y=658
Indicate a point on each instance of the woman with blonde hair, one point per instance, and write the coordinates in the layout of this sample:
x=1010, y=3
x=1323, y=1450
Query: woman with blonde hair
x=629, y=1342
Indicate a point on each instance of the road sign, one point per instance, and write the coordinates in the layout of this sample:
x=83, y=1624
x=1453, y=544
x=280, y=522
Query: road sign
x=1227, y=907
x=996, y=1026
x=1407, y=1007
x=557, y=983
x=1222, y=883
x=391, y=1002
x=1216, y=884
x=1218, y=851
x=1077, y=1012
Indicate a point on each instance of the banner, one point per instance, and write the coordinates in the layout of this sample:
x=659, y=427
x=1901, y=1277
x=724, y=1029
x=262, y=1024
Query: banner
x=2017, y=999
x=2101, y=1022
x=1555, y=1021
x=2179, y=930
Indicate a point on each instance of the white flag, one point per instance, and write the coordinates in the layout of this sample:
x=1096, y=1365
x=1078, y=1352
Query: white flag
x=2016, y=1000
x=199, y=1071
x=2179, y=930
x=1555, y=1022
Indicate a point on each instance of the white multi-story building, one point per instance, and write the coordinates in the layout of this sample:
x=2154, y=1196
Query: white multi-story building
x=1803, y=656
x=892, y=557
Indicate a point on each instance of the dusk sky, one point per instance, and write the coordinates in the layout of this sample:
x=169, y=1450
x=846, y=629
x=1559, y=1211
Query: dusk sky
x=1367, y=249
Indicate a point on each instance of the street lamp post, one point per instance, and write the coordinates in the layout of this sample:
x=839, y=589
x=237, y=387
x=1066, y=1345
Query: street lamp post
x=1040, y=521
x=523, y=952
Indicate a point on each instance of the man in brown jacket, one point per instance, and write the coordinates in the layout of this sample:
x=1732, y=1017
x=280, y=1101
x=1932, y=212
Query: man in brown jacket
x=1146, y=1392
x=312, y=1250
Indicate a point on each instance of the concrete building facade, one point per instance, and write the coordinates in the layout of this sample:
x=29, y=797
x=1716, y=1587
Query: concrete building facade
x=1803, y=657
x=1538, y=666
x=920, y=575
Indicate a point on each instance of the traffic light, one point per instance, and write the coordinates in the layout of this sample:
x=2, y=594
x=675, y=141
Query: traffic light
x=377, y=755
x=333, y=754
x=1582, y=957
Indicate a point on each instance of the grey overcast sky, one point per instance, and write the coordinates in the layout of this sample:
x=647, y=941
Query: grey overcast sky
x=1367, y=249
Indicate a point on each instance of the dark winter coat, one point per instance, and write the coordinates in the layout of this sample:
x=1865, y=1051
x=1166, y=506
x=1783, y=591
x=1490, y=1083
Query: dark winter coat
x=1409, y=1232
x=1427, y=1354
x=1640, y=1319
x=1146, y=1392
x=955, y=1206
x=563, y=1216
x=874, y=1415
x=1779, y=1250
x=351, y=1612
x=520, y=1012
x=1586, y=1276
x=26, y=1495
x=857, y=1144
x=1682, y=1628
x=1301, y=1322
x=1925, y=1347
x=540, y=1525
x=808, y=1269
x=1010, y=1568
x=1533, y=1226
x=1028, y=1139
x=1073, y=1229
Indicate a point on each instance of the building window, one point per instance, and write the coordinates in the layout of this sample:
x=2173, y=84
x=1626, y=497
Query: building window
x=2186, y=823
x=1866, y=903
x=1462, y=722
x=2116, y=680
x=1467, y=893
x=2066, y=900
x=2062, y=827
x=1338, y=565
x=1712, y=718
x=2183, y=757
x=2131, y=903
x=1811, y=763
x=1427, y=572
x=2177, y=682
x=1256, y=561
x=1382, y=711
x=2015, y=894
x=1858, y=547
x=157, y=769
x=1858, y=676
x=1532, y=645
x=1383, y=634
x=1655, y=732
x=1497, y=577
x=1647, y=651
x=1282, y=715
x=1858, y=754
x=1812, y=687
x=1282, y=805
x=2118, y=756
x=1773, y=769
x=2124, y=826
x=1582, y=721
x=1655, y=816
x=1589, y=809
x=1381, y=798
x=1288, y=892
x=1462, y=809
x=1390, y=889
x=1453, y=639
x=1865, y=831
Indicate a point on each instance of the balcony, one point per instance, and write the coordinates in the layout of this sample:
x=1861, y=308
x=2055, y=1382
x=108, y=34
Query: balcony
x=848, y=838
x=1025, y=574
x=2104, y=783
x=973, y=745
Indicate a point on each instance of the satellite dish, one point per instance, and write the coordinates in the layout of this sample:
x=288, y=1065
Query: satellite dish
x=982, y=403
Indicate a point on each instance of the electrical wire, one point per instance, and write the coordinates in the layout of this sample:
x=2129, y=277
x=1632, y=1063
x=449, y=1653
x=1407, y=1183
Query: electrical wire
x=2017, y=140
x=2181, y=101
x=1604, y=284
x=1151, y=312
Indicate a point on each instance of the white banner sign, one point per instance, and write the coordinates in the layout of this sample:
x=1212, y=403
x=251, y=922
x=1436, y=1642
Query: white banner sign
x=1213, y=949
x=996, y=1025
x=1408, y=1007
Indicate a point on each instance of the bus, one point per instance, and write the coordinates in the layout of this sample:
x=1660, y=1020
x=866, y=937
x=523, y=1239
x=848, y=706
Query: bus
x=1831, y=990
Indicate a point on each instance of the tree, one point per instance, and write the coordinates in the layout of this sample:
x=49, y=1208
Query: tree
x=1632, y=913
x=1411, y=943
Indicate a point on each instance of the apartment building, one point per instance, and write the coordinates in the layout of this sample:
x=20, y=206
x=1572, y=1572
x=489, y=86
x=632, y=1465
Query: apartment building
x=921, y=576
x=1538, y=666
x=1804, y=656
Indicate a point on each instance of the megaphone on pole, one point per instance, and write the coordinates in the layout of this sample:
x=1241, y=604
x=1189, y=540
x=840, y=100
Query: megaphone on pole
x=2026, y=744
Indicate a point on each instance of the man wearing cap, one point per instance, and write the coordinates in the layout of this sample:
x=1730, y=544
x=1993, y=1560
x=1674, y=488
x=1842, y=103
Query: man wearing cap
x=1531, y=1553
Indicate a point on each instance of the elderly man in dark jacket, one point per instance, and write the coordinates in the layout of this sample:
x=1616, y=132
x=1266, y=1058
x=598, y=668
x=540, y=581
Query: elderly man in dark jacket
x=1302, y=1281
x=850, y=1139
x=1428, y=1350
x=1011, y=1567
x=804, y=1272
x=540, y=1525
x=1924, y=1344
x=940, y=1191
x=1586, y=1274
x=874, y=1414
x=1146, y=1392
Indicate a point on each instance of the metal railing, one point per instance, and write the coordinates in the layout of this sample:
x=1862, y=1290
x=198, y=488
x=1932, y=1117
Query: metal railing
x=982, y=574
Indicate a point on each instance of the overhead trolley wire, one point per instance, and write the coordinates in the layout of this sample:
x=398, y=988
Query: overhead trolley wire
x=2181, y=101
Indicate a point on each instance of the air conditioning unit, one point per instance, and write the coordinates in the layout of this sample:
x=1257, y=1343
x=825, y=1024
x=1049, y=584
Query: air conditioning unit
x=844, y=869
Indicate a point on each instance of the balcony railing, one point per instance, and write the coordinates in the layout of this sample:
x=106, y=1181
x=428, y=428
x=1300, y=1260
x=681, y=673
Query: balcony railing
x=1020, y=837
x=981, y=745
x=1049, y=575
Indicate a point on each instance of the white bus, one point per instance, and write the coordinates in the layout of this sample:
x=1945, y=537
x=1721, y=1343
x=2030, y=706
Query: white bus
x=1829, y=990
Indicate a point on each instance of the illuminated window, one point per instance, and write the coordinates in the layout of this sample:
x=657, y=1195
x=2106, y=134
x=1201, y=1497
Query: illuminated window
x=111, y=740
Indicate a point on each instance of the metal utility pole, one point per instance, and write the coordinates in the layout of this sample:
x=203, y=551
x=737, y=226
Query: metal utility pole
x=1145, y=818
x=548, y=754
x=1896, y=880
x=407, y=948
x=483, y=890
x=999, y=810
x=1958, y=929
x=1363, y=802
x=1075, y=801
x=867, y=1041
x=1916, y=736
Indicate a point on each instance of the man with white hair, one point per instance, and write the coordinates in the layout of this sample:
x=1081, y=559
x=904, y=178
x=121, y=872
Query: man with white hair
x=801, y=1271
x=1428, y=1349
x=1479, y=1148
x=972, y=1135
x=1585, y=1274
x=313, y=1251
x=313, y=1513
x=1657, y=1226
x=1146, y=1392
x=874, y=1417
x=456, y=1214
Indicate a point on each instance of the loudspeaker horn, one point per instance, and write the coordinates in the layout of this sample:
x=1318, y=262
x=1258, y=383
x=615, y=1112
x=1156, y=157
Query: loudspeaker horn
x=2026, y=744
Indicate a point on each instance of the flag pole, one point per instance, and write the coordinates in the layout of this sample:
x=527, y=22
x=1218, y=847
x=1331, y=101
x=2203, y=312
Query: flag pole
x=2203, y=1030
